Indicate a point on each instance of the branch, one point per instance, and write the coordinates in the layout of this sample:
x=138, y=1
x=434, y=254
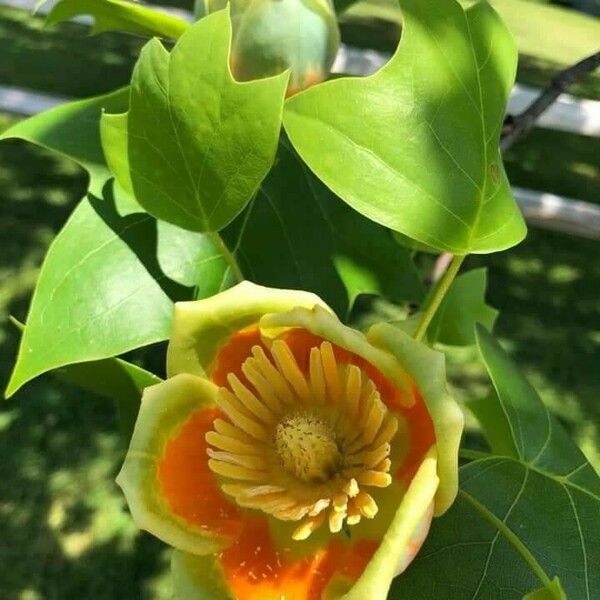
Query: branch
x=518, y=126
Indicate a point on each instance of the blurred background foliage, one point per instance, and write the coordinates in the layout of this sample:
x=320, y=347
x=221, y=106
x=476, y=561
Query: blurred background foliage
x=65, y=532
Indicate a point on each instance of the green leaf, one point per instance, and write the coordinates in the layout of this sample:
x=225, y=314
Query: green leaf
x=120, y=15
x=71, y=129
x=116, y=379
x=198, y=143
x=415, y=146
x=463, y=306
x=108, y=284
x=528, y=430
x=512, y=529
x=297, y=234
x=521, y=521
x=112, y=378
x=552, y=592
x=111, y=276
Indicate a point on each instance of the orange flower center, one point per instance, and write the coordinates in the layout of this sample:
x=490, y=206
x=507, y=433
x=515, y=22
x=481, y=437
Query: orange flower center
x=302, y=446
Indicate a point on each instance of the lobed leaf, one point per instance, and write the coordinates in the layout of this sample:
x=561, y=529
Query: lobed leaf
x=415, y=146
x=198, y=143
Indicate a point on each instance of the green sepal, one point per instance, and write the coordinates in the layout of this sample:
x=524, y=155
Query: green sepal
x=273, y=35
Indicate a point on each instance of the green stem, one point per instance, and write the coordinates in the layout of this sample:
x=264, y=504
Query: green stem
x=436, y=298
x=227, y=255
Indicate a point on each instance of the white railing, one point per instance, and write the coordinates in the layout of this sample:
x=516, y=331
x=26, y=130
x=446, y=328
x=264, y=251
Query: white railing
x=541, y=209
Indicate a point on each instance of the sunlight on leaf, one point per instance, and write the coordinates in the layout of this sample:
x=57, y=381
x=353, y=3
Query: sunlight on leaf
x=415, y=146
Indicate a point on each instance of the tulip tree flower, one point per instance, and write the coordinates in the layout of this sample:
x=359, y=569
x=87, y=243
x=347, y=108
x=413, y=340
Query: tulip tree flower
x=287, y=455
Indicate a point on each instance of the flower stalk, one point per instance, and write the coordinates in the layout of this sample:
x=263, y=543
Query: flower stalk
x=439, y=293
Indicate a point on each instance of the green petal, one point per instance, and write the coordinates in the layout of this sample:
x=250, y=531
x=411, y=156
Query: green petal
x=197, y=577
x=428, y=369
x=201, y=327
x=164, y=408
x=395, y=550
x=328, y=326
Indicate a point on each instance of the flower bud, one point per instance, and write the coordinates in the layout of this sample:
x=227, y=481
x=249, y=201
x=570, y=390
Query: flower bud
x=270, y=36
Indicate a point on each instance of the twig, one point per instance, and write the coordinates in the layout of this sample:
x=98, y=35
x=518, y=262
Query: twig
x=516, y=127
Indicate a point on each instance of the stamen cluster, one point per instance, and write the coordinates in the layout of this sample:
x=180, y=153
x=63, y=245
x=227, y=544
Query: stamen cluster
x=302, y=446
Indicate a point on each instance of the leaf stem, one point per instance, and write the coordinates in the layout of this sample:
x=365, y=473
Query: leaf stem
x=227, y=255
x=438, y=295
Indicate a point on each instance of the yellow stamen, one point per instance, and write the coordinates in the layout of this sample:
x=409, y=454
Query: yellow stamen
x=290, y=370
x=262, y=386
x=249, y=400
x=308, y=526
x=243, y=460
x=330, y=371
x=229, y=444
x=302, y=446
x=336, y=520
x=227, y=403
x=273, y=376
x=317, y=377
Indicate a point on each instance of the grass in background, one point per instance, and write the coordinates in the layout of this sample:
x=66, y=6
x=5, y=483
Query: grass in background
x=549, y=38
x=66, y=533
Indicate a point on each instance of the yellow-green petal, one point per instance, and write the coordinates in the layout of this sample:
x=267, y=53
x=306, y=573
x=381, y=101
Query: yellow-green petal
x=326, y=325
x=165, y=408
x=396, y=551
x=197, y=577
x=201, y=327
x=427, y=367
